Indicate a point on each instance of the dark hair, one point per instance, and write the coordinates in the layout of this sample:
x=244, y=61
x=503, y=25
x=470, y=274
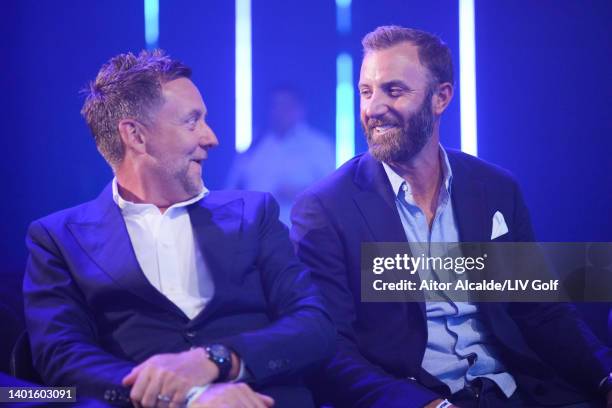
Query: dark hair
x=433, y=52
x=127, y=86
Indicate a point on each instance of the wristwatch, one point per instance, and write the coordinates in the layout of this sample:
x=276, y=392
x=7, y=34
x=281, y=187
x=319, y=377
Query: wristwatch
x=221, y=356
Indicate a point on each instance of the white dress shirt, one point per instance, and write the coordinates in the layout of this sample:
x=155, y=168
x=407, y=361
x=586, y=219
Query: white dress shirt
x=168, y=253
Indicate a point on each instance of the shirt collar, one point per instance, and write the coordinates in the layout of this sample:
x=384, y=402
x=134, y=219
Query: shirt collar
x=131, y=207
x=397, y=181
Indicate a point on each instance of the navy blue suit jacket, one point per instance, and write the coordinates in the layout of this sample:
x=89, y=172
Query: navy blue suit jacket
x=92, y=315
x=381, y=345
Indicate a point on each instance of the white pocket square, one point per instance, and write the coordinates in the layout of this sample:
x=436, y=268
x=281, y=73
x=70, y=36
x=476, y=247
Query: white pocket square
x=499, y=225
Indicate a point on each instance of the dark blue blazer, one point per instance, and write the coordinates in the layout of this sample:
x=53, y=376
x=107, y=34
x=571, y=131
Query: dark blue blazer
x=92, y=315
x=381, y=345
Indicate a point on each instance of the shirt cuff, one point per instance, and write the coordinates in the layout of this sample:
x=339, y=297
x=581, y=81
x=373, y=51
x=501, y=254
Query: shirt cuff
x=241, y=373
x=195, y=392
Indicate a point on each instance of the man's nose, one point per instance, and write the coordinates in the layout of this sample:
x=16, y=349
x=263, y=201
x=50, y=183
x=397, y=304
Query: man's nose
x=376, y=105
x=208, y=138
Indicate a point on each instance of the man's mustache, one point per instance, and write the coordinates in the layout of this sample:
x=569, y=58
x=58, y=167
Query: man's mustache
x=372, y=123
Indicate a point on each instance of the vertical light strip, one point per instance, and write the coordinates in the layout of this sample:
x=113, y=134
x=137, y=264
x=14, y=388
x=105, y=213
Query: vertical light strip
x=467, y=76
x=345, y=98
x=151, y=15
x=343, y=16
x=345, y=111
x=244, y=91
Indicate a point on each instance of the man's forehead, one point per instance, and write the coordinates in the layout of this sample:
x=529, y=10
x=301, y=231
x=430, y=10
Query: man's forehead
x=392, y=63
x=182, y=92
x=180, y=87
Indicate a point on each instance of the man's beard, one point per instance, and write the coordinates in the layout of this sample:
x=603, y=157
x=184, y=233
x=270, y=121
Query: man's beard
x=175, y=175
x=405, y=141
x=191, y=184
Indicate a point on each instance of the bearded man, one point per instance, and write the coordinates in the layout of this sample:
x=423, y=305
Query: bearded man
x=408, y=188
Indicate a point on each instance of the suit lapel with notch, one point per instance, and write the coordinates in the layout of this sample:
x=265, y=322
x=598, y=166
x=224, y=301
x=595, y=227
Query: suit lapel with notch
x=103, y=236
x=217, y=225
x=376, y=202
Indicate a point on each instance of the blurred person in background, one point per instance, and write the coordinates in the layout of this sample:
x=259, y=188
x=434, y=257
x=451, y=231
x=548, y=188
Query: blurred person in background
x=289, y=157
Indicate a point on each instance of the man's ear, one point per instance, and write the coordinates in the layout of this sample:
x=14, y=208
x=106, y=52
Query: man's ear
x=132, y=135
x=442, y=97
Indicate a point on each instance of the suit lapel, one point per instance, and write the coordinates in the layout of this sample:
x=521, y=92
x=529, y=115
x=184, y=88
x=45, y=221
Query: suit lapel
x=376, y=202
x=217, y=225
x=472, y=216
x=104, y=237
x=469, y=203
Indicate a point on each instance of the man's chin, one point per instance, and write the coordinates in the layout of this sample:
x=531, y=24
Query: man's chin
x=196, y=187
x=389, y=154
x=382, y=153
x=193, y=184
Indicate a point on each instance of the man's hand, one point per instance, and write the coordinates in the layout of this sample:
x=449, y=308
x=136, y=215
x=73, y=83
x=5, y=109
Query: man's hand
x=236, y=395
x=164, y=379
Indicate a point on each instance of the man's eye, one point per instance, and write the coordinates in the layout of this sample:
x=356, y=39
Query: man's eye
x=365, y=92
x=192, y=123
x=395, y=92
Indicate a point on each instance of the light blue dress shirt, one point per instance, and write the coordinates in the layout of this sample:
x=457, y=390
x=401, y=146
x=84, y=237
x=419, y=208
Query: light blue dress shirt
x=459, y=346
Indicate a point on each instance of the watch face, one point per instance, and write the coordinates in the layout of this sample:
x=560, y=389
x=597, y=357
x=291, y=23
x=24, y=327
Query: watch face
x=222, y=357
x=219, y=351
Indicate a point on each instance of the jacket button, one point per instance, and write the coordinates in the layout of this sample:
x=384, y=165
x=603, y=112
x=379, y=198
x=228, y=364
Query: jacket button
x=273, y=364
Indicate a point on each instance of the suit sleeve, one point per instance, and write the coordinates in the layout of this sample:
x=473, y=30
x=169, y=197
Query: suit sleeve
x=349, y=378
x=577, y=354
x=60, y=325
x=301, y=335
